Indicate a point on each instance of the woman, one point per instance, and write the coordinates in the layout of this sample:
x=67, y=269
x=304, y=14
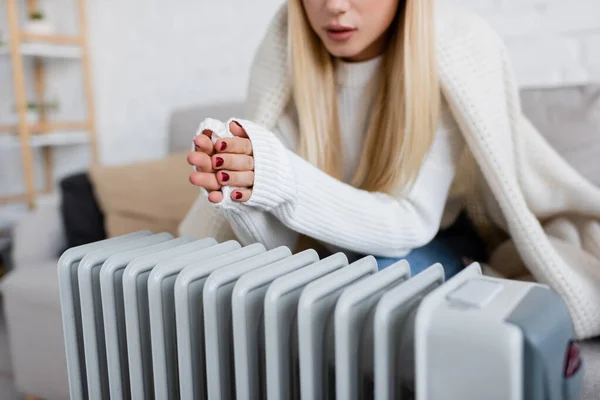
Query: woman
x=362, y=116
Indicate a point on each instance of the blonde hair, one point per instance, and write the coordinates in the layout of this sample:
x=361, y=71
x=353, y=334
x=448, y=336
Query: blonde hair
x=405, y=112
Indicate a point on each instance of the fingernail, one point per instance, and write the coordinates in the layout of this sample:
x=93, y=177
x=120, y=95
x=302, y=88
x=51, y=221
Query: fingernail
x=220, y=162
x=223, y=146
x=224, y=176
x=237, y=123
x=238, y=195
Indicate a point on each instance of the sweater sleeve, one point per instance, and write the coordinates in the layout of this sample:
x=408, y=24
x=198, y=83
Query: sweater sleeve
x=308, y=201
x=252, y=224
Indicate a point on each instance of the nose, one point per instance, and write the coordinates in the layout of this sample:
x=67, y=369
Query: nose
x=337, y=6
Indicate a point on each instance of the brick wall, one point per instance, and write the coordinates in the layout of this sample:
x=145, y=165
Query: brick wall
x=552, y=42
x=151, y=57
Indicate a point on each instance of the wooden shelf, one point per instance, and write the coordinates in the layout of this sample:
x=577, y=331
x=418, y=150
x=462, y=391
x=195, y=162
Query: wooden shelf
x=59, y=126
x=20, y=198
x=47, y=140
x=46, y=50
x=51, y=39
x=47, y=127
x=60, y=139
x=43, y=136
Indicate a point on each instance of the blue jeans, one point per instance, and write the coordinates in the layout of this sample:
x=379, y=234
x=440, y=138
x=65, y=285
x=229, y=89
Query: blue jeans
x=451, y=247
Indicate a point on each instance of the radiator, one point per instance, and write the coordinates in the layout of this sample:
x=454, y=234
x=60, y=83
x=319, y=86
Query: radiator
x=149, y=316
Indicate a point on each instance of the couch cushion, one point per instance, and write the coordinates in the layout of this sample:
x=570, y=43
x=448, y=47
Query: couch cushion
x=121, y=224
x=34, y=327
x=36, y=285
x=184, y=122
x=153, y=195
x=590, y=354
x=569, y=118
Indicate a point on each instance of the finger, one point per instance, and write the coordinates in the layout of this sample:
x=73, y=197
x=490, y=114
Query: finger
x=207, y=132
x=201, y=161
x=237, y=130
x=234, y=145
x=231, y=178
x=215, y=197
x=234, y=162
x=241, y=195
x=204, y=144
x=205, y=180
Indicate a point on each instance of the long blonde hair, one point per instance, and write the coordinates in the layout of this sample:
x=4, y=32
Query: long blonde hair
x=405, y=112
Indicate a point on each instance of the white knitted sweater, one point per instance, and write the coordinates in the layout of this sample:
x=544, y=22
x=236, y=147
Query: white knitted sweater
x=340, y=216
x=551, y=213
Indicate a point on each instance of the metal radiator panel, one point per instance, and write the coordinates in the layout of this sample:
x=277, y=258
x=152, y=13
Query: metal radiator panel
x=161, y=301
x=137, y=315
x=91, y=312
x=354, y=328
x=220, y=372
x=189, y=315
x=423, y=358
x=394, y=332
x=315, y=325
x=68, y=283
x=281, y=329
x=113, y=309
x=247, y=309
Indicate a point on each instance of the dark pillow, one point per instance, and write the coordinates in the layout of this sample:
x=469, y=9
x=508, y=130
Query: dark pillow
x=82, y=218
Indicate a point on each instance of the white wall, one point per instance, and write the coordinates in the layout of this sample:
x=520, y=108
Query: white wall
x=150, y=56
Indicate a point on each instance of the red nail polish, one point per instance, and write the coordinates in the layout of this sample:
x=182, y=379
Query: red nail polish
x=224, y=176
x=223, y=146
x=238, y=195
x=220, y=162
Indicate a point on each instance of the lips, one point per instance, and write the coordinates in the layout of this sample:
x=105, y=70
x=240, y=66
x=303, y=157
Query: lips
x=339, y=33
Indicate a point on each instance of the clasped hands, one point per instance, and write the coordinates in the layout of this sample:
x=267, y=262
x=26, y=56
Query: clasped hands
x=227, y=162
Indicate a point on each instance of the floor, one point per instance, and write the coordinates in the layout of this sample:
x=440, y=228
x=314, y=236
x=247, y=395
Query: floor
x=7, y=389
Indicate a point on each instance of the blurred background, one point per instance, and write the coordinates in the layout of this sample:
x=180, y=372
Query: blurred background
x=111, y=94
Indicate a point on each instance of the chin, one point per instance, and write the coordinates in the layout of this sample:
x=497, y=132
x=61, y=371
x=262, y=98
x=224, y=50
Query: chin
x=342, y=50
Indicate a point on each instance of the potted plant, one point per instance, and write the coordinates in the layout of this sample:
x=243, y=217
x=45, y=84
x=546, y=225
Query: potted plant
x=38, y=25
x=32, y=113
x=33, y=110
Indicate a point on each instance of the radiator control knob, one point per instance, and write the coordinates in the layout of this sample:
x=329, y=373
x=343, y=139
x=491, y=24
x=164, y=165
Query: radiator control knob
x=475, y=293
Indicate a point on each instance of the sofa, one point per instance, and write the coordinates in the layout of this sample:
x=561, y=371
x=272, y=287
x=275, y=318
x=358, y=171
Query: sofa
x=568, y=116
